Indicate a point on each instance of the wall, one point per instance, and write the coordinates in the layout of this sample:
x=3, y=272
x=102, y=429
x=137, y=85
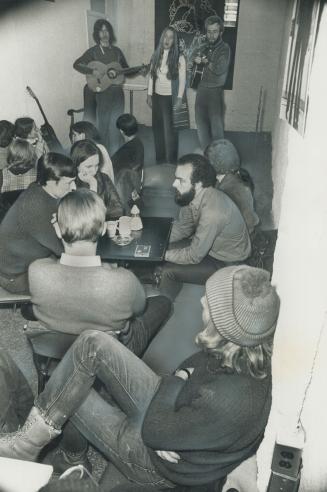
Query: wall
x=39, y=43
x=133, y=22
x=259, y=42
x=300, y=272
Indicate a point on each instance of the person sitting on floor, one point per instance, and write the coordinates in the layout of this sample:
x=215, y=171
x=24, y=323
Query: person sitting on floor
x=88, y=160
x=232, y=179
x=210, y=232
x=84, y=130
x=7, y=132
x=26, y=233
x=26, y=129
x=190, y=428
x=128, y=161
x=78, y=292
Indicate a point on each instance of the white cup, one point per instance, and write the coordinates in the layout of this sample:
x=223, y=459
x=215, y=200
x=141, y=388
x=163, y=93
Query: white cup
x=125, y=226
x=111, y=227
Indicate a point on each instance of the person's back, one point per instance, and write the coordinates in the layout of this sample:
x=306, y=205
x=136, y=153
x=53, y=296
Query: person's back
x=241, y=194
x=232, y=242
x=232, y=179
x=72, y=298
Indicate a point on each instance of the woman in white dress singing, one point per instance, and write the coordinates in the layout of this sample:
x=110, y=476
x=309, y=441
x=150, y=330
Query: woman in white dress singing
x=165, y=91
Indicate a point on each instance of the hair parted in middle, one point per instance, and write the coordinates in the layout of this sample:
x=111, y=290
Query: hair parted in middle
x=202, y=169
x=82, y=150
x=81, y=216
x=173, y=56
x=97, y=28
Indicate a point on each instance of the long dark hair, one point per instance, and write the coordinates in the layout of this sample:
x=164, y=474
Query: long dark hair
x=97, y=28
x=173, y=56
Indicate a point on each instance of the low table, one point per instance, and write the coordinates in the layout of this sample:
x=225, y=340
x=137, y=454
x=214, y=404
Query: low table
x=155, y=233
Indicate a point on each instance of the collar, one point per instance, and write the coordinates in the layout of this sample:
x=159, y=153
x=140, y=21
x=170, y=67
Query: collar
x=80, y=261
x=197, y=199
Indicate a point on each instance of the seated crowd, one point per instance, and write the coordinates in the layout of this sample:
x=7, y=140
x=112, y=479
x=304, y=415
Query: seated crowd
x=180, y=431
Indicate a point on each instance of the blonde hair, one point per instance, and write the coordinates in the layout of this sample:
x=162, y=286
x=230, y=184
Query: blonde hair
x=256, y=359
x=21, y=156
x=81, y=216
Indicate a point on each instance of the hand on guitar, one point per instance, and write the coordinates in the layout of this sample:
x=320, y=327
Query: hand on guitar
x=149, y=100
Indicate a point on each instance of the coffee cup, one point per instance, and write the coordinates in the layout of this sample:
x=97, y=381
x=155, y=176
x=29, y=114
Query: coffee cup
x=112, y=227
x=125, y=226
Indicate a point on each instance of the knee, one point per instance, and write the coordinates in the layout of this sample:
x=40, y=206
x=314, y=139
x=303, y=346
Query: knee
x=92, y=339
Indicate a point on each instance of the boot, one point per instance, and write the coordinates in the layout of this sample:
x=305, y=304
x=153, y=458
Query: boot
x=27, y=442
x=61, y=460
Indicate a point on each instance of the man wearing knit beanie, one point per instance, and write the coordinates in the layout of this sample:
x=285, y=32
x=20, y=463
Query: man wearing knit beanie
x=232, y=179
x=188, y=429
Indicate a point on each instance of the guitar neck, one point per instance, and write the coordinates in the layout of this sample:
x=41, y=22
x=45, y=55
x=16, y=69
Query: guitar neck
x=128, y=70
x=41, y=110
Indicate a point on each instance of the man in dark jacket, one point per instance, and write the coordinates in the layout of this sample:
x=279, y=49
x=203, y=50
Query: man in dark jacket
x=215, y=56
x=191, y=428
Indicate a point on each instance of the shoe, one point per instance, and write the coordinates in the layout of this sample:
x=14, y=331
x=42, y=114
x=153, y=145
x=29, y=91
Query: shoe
x=62, y=460
x=27, y=442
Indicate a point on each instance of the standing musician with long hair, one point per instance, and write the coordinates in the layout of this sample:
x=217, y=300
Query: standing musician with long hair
x=103, y=108
x=166, y=89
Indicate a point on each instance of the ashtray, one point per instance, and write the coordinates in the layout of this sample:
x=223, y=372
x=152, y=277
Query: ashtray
x=122, y=241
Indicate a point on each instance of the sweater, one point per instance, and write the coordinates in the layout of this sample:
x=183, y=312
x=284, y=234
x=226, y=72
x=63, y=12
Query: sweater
x=103, y=54
x=215, y=226
x=163, y=85
x=107, y=191
x=241, y=195
x=216, y=71
x=214, y=420
x=130, y=156
x=71, y=299
x=26, y=233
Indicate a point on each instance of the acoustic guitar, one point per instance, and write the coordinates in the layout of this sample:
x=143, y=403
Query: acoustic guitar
x=198, y=68
x=47, y=130
x=111, y=74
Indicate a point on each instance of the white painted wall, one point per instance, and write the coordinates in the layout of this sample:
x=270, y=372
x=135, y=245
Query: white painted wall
x=133, y=22
x=300, y=272
x=38, y=44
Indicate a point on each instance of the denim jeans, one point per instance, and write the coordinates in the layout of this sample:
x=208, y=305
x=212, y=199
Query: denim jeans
x=137, y=336
x=209, y=114
x=110, y=105
x=16, y=396
x=112, y=425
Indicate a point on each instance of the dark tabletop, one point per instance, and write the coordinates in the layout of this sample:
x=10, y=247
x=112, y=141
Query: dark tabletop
x=155, y=233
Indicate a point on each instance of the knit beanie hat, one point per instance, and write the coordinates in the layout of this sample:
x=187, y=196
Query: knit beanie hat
x=223, y=156
x=243, y=304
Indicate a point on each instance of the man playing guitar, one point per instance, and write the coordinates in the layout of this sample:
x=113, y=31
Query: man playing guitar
x=103, y=108
x=212, y=63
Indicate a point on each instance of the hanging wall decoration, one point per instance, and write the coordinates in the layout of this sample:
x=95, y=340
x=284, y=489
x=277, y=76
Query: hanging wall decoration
x=295, y=96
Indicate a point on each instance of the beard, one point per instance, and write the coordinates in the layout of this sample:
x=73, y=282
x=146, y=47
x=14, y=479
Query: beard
x=184, y=199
